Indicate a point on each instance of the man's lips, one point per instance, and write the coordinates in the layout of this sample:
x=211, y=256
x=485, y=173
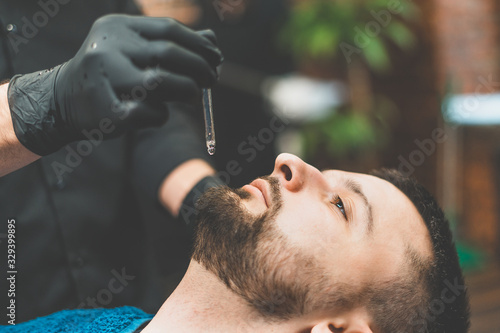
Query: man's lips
x=259, y=188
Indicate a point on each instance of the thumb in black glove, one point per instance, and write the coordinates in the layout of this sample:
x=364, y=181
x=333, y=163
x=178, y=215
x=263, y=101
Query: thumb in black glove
x=123, y=73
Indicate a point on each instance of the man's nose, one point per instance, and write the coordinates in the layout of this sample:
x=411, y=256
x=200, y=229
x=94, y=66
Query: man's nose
x=291, y=171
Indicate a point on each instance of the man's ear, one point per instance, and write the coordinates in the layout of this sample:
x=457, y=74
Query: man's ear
x=355, y=321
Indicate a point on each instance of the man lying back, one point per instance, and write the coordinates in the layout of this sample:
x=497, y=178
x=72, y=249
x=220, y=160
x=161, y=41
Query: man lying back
x=307, y=251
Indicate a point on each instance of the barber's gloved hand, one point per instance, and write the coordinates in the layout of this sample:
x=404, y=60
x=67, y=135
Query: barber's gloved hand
x=119, y=80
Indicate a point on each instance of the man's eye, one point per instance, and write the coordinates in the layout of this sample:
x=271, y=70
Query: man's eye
x=337, y=201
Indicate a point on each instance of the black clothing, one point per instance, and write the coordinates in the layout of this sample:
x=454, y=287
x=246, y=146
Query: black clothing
x=243, y=119
x=117, y=82
x=83, y=213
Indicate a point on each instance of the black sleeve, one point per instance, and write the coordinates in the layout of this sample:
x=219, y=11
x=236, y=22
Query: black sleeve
x=157, y=151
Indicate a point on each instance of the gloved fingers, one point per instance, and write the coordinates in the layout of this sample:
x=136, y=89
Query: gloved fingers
x=151, y=85
x=131, y=111
x=164, y=86
x=175, y=59
x=118, y=71
x=156, y=28
x=208, y=34
x=97, y=99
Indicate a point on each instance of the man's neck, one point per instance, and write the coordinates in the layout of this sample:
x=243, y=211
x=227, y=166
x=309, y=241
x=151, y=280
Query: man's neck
x=202, y=303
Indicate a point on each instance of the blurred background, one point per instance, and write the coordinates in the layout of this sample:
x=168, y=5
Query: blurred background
x=361, y=84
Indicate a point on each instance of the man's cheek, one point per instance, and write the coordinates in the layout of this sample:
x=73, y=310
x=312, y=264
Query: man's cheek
x=303, y=231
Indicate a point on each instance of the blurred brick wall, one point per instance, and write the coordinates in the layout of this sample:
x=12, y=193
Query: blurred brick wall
x=466, y=46
x=481, y=187
x=458, y=51
x=466, y=41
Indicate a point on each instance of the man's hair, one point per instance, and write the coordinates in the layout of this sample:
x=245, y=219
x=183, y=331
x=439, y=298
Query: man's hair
x=435, y=299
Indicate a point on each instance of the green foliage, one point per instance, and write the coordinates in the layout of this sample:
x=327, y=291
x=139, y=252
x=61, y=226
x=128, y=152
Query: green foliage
x=376, y=55
x=347, y=132
x=316, y=31
x=317, y=28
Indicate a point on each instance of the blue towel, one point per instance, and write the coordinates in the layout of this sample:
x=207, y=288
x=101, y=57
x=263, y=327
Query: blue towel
x=123, y=320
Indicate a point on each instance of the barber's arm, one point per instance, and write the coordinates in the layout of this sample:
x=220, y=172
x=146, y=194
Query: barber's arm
x=181, y=181
x=118, y=81
x=182, y=188
x=171, y=164
x=13, y=154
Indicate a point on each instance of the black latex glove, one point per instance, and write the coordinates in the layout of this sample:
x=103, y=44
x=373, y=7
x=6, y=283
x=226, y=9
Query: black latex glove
x=119, y=80
x=188, y=213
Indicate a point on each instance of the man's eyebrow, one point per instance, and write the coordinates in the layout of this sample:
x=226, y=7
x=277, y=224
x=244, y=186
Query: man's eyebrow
x=355, y=187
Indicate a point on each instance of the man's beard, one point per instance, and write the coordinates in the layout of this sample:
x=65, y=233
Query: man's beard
x=252, y=257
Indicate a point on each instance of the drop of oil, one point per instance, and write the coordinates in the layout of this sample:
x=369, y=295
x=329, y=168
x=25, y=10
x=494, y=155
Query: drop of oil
x=211, y=150
x=93, y=45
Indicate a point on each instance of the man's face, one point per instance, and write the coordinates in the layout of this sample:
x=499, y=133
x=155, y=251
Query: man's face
x=368, y=244
x=345, y=228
